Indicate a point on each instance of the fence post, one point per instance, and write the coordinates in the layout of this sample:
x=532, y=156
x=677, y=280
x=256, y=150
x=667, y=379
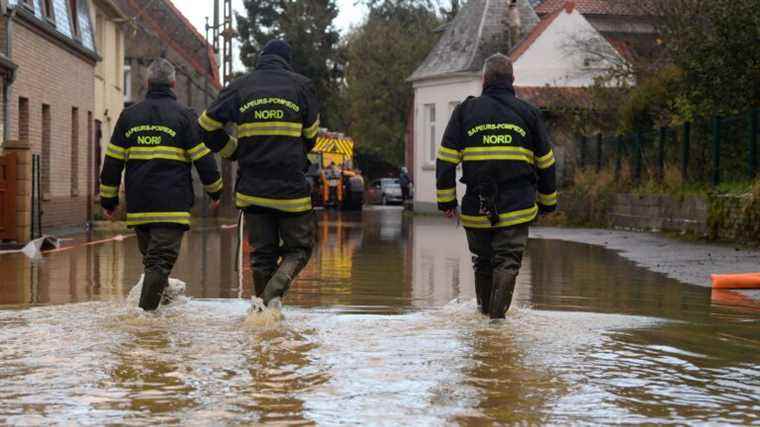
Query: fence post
x=716, y=151
x=619, y=160
x=598, y=152
x=753, y=129
x=637, y=156
x=685, y=150
x=584, y=142
x=661, y=152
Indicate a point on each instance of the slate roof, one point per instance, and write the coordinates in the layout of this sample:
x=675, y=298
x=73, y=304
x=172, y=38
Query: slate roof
x=470, y=38
x=586, y=7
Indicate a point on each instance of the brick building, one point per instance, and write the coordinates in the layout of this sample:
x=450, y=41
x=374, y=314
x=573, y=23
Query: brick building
x=158, y=29
x=49, y=108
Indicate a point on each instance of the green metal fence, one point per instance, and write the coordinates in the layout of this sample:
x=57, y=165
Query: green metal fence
x=712, y=151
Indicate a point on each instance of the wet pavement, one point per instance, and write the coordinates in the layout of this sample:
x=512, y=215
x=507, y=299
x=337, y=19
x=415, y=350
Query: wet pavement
x=381, y=329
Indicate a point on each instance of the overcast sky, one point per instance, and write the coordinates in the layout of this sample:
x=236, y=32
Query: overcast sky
x=197, y=11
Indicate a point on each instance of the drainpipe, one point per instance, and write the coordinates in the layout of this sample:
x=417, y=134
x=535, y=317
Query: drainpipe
x=10, y=13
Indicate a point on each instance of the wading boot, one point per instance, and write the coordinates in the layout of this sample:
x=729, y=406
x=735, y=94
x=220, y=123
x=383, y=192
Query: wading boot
x=153, y=288
x=483, y=285
x=260, y=280
x=501, y=294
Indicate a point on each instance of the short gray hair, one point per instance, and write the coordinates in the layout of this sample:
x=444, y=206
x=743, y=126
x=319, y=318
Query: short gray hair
x=161, y=71
x=498, y=68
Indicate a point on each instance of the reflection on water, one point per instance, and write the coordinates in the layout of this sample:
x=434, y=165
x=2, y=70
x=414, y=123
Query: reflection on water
x=381, y=328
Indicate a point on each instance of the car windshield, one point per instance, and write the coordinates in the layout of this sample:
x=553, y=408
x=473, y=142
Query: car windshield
x=391, y=183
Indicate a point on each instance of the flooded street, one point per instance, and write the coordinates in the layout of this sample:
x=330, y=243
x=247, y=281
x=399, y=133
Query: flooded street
x=381, y=328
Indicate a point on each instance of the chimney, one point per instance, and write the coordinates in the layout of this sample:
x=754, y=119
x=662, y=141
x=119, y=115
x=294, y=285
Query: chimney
x=513, y=14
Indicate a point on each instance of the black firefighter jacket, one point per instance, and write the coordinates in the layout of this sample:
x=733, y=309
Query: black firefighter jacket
x=501, y=143
x=157, y=140
x=276, y=113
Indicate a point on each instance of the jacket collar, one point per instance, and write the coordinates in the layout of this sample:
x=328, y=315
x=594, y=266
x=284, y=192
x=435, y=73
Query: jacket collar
x=272, y=62
x=500, y=88
x=157, y=91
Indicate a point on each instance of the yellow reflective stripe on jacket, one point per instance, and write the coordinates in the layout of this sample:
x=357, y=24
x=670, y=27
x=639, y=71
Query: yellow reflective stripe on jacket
x=447, y=195
x=474, y=154
x=214, y=187
x=116, y=152
x=157, y=152
x=311, y=131
x=449, y=155
x=209, y=124
x=286, y=205
x=505, y=220
x=196, y=153
x=548, y=199
x=153, y=217
x=229, y=148
x=270, y=129
x=108, y=191
x=546, y=161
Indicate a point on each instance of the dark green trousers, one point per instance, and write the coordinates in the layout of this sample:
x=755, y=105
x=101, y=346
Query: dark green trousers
x=160, y=246
x=497, y=257
x=497, y=249
x=281, y=246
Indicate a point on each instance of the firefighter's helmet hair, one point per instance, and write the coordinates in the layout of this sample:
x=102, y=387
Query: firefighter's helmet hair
x=498, y=68
x=161, y=71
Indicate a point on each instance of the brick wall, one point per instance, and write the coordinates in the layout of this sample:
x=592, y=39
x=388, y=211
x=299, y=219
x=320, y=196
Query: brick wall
x=53, y=75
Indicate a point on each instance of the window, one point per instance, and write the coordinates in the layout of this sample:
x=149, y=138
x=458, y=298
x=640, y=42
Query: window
x=23, y=121
x=429, y=130
x=45, y=161
x=74, y=15
x=74, y=151
x=117, y=72
x=29, y=4
x=127, y=83
x=48, y=10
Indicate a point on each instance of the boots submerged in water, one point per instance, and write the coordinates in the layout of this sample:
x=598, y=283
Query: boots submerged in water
x=260, y=281
x=501, y=294
x=153, y=288
x=483, y=285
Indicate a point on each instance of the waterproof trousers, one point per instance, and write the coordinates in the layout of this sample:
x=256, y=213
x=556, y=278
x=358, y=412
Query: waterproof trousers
x=497, y=257
x=159, y=246
x=281, y=246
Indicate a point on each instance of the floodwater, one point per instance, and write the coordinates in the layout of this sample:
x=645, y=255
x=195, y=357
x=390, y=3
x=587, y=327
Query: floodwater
x=380, y=329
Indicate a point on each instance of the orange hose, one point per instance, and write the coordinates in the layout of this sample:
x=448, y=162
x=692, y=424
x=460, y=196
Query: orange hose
x=736, y=281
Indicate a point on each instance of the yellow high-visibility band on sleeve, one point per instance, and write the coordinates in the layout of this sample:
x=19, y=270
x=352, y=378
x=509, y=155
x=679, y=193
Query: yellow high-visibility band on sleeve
x=447, y=195
x=198, y=152
x=229, y=148
x=214, y=187
x=545, y=162
x=449, y=155
x=209, y=124
x=548, y=199
x=108, y=191
x=116, y=152
x=311, y=131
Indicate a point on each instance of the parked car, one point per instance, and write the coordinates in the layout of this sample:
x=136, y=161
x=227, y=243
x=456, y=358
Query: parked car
x=384, y=191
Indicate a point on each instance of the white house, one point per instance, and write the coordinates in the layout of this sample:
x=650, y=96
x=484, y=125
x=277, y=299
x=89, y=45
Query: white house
x=544, y=61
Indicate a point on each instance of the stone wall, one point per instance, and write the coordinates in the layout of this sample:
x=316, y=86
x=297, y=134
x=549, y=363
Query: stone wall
x=729, y=218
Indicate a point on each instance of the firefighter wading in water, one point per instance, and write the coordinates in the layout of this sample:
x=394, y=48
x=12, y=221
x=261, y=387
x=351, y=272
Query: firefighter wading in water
x=508, y=168
x=275, y=111
x=157, y=140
